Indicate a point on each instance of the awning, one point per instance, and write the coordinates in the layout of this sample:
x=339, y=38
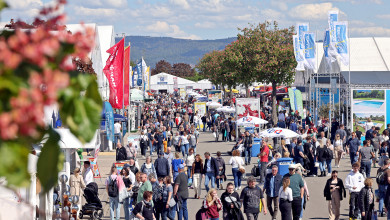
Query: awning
x=68, y=140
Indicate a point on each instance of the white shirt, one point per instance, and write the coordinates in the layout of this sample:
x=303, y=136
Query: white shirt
x=287, y=195
x=190, y=160
x=131, y=177
x=354, y=179
x=88, y=176
x=117, y=128
x=235, y=161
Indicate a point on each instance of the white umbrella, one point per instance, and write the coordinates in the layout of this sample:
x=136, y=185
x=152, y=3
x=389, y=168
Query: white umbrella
x=278, y=132
x=226, y=109
x=250, y=120
x=213, y=104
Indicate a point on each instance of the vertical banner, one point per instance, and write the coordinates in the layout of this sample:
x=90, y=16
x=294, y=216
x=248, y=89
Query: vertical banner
x=126, y=89
x=302, y=28
x=109, y=121
x=333, y=17
x=247, y=107
x=147, y=76
x=310, y=50
x=298, y=53
x=175, y=85
x=144, y=77
x=139, y=73
x=342, y=41
x=299, y=100
x=291, y=95
x=326, y=47
x=114, y=73
x=215, y=96
x=94, y=168
x=183, y=92
x=200, y=109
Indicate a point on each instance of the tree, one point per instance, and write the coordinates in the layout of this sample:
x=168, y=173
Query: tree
x=162, y=66
x=269, y=56
x=182, y=70
x=35, y=73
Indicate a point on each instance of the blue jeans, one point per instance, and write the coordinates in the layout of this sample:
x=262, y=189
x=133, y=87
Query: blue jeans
x=189, y=168
x=151, y=148
x=329, y=165
x=175, y=174
x=160, y=148
x=209, y=177
x=237, y=177
x=183, y=212
x=194, y=147
x=354, y=157
x=184, y=149
x=204, y=126
x=117, y=136
x=322, y=166
x=382, y=194
x=302, y=208
x=248, y=155
x=115, y=208
x=366, y=166
x=126, y=207
x=171, y=212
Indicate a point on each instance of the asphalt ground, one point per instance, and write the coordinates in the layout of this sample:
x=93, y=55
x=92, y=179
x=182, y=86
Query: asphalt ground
x=316, y=207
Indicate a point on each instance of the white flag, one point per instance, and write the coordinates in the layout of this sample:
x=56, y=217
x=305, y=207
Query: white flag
x=333, y=17
x=342, y=41
x=298, y=53
x=310, y=50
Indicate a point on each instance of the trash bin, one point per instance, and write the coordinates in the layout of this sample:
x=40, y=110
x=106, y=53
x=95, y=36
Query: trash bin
x=283, y=164
x=256, y=147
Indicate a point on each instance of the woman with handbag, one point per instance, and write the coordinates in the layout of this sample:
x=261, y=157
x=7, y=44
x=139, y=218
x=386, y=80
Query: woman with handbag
x=196, y=173
x=212, y=204
x=128, y=184
x=231, y=204
x=330, y=149
x=169, y=211
x=237, y=168
x=334, y=192
x=221, y=171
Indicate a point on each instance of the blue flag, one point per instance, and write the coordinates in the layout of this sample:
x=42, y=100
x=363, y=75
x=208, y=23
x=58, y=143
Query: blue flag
x=310, y=50
x=139, y=71
x=326, y=46
x=342, y=41
x=109, y=121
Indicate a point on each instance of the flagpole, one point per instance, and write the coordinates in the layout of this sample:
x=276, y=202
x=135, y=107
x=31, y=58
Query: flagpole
x=349, y=78
x=129, y=107
x=123, y=79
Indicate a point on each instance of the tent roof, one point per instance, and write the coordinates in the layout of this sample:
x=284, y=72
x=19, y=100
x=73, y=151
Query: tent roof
x=367, y=77
x=180, y=80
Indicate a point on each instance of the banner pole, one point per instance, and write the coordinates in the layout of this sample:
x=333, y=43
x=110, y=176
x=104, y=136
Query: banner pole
x=349, y=82
x=123, y=81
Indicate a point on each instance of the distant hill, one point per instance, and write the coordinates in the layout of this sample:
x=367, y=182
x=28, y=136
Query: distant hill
x=173, y=50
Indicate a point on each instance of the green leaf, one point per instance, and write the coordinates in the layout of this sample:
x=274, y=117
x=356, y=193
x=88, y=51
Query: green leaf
x=3, y=5
x=81, y=113
x=50, y=161
x=14, y=163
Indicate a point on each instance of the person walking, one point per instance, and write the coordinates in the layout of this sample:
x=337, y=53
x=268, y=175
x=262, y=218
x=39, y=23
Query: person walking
x=248, y=141
x=144, y=209
x=77, y=185
x=321, y=158
x=161, y=166
x=263, y=156
x=366, y=199
x=158, y=193
x=125, y=174
x=354, y=183
x=210, y=171
x=236, y=162
x=298, y=153
x=175, y=165
x=297, y=187
x=87, y=174
x=184, y=144
x=272, y=184
x=221, y=171
x=286, y=197
x=365, y=155
x=145, y=186
x=169, y=210
x=114, y=185
x=196, y=173
x=231, y=204
x=330, y=155
x=121, y=153
x=189, y=161
x=381, y=178
x=143, y=142
x=353, y=145
x=338, y=149
x=334, y=192
x=212, y=204
x=180, y=193
x=250, y=198
x=148, y=167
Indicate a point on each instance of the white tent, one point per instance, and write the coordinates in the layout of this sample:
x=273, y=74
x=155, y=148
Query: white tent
x=164, y=82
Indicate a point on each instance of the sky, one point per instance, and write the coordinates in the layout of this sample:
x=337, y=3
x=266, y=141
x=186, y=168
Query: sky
x=213, y=19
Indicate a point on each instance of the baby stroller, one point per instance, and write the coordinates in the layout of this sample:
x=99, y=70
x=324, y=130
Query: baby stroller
x=93, y=208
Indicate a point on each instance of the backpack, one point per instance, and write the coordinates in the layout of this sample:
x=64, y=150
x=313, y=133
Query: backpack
x=142, y=142
x=113, y=188
x=328, y=153
x=255, y=171
x=381, y=176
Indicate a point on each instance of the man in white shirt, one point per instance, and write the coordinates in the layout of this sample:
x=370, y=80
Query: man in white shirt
x=88, y=174
x=117, y=132
x=354, y=183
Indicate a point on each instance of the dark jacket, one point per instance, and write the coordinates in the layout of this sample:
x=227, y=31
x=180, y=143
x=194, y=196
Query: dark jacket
x=248, y=140
x=226, y=204
x=213, y=166
x=321, y=157
x=340, y=184
x=277, y=184
x=161, y=165
x=121, y=154
x=364, y=204
x=221, y=164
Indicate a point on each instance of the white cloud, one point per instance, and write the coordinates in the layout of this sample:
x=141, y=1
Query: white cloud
x=165, y=29
x=244, y=17
x=101, y=3
x=182, y=3
x=280, y=5
x=24, y=4
x=160, y=12
x=312, y=11
x=271, y=14
x=95, y=12
x=205, y=24
x=371, y=31
x=383, y=16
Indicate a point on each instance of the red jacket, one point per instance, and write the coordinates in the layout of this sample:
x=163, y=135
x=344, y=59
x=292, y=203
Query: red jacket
x=212, y=211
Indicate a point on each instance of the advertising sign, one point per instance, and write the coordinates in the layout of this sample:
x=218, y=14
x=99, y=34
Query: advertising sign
x=94, y=168
x=109, y=121
x=183, y=92
x=248, y=107
x=200, y=108
x=368, y=109
x=215, y=96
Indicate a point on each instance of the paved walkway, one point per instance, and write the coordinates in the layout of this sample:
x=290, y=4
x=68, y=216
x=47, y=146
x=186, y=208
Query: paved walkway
x=317, y=206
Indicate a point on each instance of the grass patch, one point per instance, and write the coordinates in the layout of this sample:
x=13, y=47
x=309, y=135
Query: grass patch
x=363, y=99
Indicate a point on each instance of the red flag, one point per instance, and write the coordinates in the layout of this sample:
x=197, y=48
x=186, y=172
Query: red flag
x=114, y=73
x=127, y=71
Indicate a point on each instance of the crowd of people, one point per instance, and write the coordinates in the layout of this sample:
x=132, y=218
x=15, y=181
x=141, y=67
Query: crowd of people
x=170, y=128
